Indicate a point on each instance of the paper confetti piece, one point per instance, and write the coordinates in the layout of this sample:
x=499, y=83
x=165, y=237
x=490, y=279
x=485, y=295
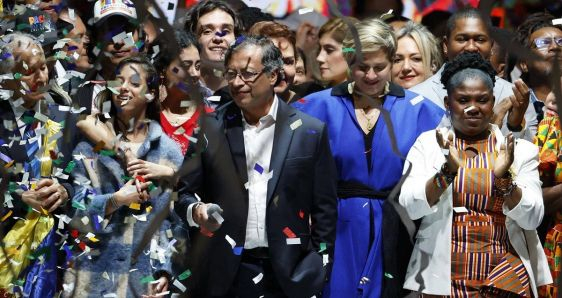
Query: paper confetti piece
x=258, y=278
x=461, y=209
x=147, y=279
x=348, y=50
x=110, y=295
x=388, y=275
x=238, y=250
x=322, y=247
x=179, y=285
x=184, y=275
x=99, y=146
x=119, y=37
x=557, y=22
x=230, y=240
x=258, y=168
x=305, y=10
x=325, y=259
x=162, y=294
x=214, y=98
x=135, y=206
x=289, y=233
x=105, y=275
x=414, y=101
x=169, y=233
x=293, y=241
x=78, y=205
x=6, y=216
x=296, y=124
x=85, y=220
x=218, y=217
x=301, y=214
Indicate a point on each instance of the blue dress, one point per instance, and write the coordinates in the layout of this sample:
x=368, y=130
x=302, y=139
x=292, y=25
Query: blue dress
x=358, y=257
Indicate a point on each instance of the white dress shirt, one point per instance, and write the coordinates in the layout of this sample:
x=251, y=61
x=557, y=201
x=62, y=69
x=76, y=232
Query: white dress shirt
x=258, y=145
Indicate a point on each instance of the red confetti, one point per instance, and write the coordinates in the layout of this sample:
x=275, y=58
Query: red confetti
x=301, y=214
x=206, y=232
x=53, y=154
x=82, y=245
x=74, y=233
x=140, y=179
x=289, y=233
x=302, y=100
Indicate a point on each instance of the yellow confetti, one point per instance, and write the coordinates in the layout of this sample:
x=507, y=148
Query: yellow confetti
x=6, y=216
x=135, y=206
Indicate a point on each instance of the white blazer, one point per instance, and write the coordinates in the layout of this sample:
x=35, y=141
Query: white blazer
x=429, y=270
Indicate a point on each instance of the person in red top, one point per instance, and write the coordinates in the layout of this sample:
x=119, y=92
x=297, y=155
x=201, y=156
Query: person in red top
x=183, y=97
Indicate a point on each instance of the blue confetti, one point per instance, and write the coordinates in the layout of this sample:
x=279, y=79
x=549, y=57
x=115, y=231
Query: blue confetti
x=237, y=250
x=258, y=168
x=221, y=33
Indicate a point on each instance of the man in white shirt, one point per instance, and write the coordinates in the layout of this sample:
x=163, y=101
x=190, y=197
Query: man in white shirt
x=269, y=167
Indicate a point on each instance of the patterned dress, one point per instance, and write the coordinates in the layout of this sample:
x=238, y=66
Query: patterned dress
x=549, y=141
x=482, y=260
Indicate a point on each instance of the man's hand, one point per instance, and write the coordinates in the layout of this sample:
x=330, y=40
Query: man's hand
x=201, y=217
x=158, y=286
x=48, y=195
x=519, y=103
x=500, y=110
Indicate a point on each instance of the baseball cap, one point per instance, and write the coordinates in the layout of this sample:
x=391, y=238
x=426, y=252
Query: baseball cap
x=103, y=9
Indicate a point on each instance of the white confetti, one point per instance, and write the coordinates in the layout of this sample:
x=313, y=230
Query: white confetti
x=179, y=285
x=85, y=220
x=293, y=241
x=469, y=109
x=305, y=10
x=296, y=124
x=557, y=21
x=414, y=101
x=218, y=217
x=214, y=98
x=258, y=278
x=119, y=37
x=230, y=240
x=460, y=209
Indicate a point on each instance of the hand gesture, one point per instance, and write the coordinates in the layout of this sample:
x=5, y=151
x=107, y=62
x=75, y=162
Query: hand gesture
x=505, y=157
x=130, y=193
x=158, y=286
x=519, y=103
x=47, y=195
x=445, y=141
x=201, y=217
x=149, y=170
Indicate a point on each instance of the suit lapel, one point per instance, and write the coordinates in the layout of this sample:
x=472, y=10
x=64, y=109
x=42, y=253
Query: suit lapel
x=235, y=135
x=16, y=152
x=281, y=144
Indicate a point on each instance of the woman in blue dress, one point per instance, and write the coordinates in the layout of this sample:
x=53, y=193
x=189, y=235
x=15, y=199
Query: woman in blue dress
x=357, y=114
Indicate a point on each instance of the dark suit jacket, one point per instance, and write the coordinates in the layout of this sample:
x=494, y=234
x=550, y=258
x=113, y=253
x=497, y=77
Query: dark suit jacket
x=18, y=152
x=303, y=184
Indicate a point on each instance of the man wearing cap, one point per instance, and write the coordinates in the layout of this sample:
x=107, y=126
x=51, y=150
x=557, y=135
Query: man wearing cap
x=115, y=37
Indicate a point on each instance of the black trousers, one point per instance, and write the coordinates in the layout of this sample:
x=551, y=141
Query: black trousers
x=255, y=277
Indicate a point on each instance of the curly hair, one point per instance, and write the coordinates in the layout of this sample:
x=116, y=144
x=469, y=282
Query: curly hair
x=467, y=66
x=533, y=23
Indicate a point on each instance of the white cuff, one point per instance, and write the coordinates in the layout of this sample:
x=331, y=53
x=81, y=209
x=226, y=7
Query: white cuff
x=189, y=215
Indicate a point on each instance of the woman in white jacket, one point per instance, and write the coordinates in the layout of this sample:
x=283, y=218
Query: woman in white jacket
x=479, y=196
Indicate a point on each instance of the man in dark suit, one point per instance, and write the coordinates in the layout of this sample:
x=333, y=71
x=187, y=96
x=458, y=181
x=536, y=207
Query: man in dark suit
x=270, y=169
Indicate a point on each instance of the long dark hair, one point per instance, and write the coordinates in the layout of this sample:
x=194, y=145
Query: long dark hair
x=152, y=80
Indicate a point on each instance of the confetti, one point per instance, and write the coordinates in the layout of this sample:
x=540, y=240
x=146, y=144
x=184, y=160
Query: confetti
x=305, y=10
x=322, y=247
x=218, y=217
x=301, y=214
x=179, y=285
x=238, y=250
x=293, y=241
x=469, y=109
x=388, y=275
x=135, y=206
x=289, y=233
x=7, y=215
x=460, y=209
x=78, y=205
x=230, y=240
x=557, y=21
x=258, y=168
x=348, y=50
x=119, y=37
x=147, y=279
x=258, y=278
x=414, y=101
x=296, y=124
x=186, y=274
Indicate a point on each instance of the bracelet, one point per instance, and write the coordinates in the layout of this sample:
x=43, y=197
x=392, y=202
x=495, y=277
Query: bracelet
x=443, y=178
x=504, y=186
x=113, y=202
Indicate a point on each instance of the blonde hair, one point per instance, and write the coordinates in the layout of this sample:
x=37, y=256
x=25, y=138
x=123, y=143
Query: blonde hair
x=426, y=42
x=374, y=35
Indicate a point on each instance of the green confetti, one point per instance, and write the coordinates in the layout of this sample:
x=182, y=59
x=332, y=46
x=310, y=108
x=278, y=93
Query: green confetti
x=126, y=178
x=151, y=187
x=147, y=279
x=17, y=76
x=21, y=27
x=184, y=275
x=348, y=50
x=107, y=152
x=19, y=282
x=58, y=161
x=12, y=187
x=388, y=275
x=139, y=44
x=78, y=205
x=28, y=119
x=322, y=247
x=70, y=167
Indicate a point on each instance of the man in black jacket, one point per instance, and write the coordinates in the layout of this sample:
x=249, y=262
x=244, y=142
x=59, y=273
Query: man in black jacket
x=270, y=169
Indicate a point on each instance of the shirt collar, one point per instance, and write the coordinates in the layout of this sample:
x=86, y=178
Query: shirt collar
x=346, y=89
x=268, y=119
x=19, y=110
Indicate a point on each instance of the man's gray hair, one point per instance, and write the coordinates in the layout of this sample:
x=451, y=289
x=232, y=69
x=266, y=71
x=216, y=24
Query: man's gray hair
x=17, y=42
x=271, y=55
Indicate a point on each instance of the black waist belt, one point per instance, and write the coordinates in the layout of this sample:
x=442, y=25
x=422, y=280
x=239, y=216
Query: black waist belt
x=352, y=189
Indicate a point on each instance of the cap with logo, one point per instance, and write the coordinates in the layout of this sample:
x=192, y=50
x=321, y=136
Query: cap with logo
x=103, y=9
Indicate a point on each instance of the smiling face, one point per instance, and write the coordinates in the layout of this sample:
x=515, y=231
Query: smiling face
x=79, y=41
x=333, y=67
x=471, y=93
x=469, y=35
x=118, y=51
x=131, y=101
x=371, y=75
x=184, y=72
x=32, y=85
x=408, y=68
x=254, y=94
x=215, y=33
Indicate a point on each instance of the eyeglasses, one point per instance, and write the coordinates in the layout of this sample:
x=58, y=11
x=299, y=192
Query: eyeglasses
x=545, y=42
x=245, y=75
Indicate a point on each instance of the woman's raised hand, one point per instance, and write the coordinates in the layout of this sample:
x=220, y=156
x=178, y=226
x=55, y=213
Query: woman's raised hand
x=505, y=156
x=445, y=141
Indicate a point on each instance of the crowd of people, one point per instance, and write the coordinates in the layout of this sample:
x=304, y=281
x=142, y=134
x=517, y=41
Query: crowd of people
x=228, y=155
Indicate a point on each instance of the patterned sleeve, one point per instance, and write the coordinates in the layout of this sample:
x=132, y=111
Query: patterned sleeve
x=548, y=141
